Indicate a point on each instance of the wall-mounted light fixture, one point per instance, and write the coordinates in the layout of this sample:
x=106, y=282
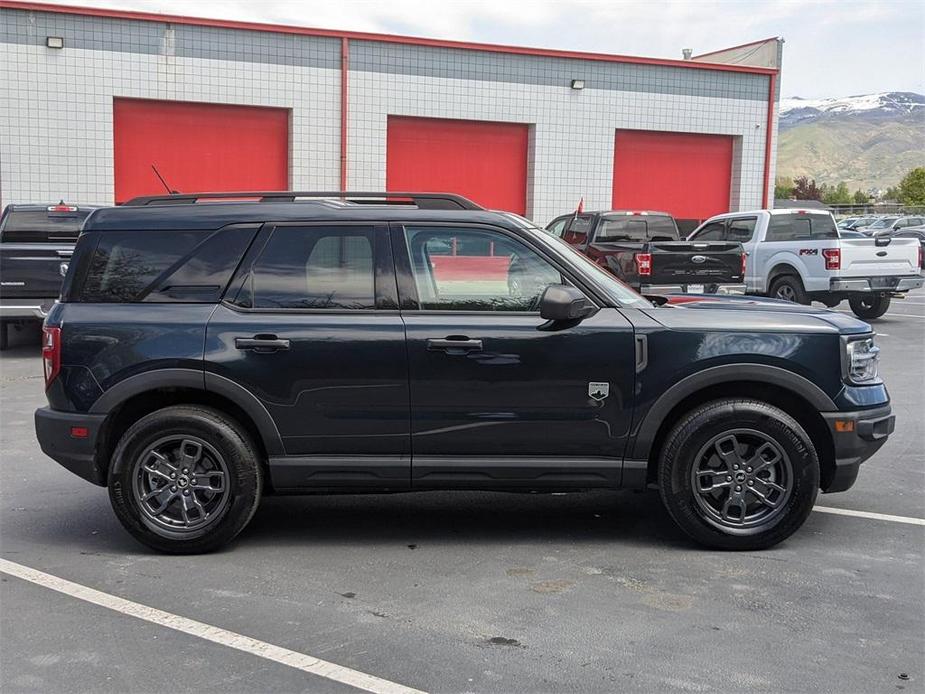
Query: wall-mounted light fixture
x=54, y=41
x=578, y=84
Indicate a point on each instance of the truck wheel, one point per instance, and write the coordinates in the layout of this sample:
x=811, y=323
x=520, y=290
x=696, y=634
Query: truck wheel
x=185, y=479
x=869, y=306
x=738, y=474
x=788, y=288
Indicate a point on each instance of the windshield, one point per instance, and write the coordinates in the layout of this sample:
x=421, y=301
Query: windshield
x=883, y=223
x=618, y=291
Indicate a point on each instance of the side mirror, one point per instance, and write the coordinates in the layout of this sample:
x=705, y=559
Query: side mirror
x=563, y=303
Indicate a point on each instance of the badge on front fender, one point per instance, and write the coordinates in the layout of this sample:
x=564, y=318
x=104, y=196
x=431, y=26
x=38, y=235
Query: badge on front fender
x=598, y=391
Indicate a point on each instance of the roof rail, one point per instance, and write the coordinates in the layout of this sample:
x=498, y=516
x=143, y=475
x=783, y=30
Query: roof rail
x=432, y=201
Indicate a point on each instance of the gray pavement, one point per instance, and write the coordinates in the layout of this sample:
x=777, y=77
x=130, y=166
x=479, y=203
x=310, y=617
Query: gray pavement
x=477, y=592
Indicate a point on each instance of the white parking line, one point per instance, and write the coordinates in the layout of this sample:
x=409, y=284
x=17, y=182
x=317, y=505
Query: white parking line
x=261, y=649
x=870, y=516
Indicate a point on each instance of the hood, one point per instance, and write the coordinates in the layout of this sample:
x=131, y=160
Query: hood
x=750, y=313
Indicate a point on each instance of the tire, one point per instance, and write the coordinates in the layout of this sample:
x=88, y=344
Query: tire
x=788, y=288
x=222, y=488
x=869, y=306
x=691, y=448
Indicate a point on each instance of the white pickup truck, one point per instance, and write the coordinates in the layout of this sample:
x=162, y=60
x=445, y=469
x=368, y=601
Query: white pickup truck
x=797, y=255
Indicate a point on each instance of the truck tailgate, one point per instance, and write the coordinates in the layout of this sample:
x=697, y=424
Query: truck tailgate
x=690, y=262
x=32, y=270
x=864, y=258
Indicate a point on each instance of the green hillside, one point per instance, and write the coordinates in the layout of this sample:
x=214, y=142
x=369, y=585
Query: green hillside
x=864, y=153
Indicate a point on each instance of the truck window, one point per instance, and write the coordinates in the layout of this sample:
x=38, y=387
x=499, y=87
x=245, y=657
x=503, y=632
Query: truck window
x=822, y=226
x=42, y=226
x=788, y=228
x=637, y=228
x=741, y=230
x=714, y=231
x=576, y=233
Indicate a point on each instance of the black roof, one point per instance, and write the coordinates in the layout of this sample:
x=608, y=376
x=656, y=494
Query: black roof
x=192, y=212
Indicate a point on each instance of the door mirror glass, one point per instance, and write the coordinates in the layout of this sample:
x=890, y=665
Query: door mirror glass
x=561, y=302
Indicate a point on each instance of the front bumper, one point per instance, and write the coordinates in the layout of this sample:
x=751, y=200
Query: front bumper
x=876, y=284
x=857, y=436
x=20, y=309
x=708, y=288
x=61, y=437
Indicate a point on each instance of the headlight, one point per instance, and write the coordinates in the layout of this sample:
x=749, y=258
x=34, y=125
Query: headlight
x=862, y=358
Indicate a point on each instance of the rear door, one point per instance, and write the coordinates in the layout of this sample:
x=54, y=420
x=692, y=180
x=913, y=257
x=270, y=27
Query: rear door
x=498, y=398
x=311, y=328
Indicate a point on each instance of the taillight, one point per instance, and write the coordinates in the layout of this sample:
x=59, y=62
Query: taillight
x=832, y=258
x=744, y=258
x=644, y=264
x=922, y=256
x=51, y=353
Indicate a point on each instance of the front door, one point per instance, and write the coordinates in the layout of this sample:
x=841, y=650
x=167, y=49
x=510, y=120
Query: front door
x=497, y=397
x=313, y=331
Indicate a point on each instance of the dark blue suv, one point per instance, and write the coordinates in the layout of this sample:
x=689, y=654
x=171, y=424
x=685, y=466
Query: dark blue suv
x=209, y=349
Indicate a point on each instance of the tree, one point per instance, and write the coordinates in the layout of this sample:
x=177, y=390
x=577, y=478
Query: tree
x=783, y=189
x=912, y=187
x=839, y=195
x=892, y=193
x=860, y=197
x=806, y=189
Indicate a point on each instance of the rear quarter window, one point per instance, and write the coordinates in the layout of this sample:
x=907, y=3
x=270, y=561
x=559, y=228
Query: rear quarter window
x=163, y=266
x=42, y=226
x=801, y=227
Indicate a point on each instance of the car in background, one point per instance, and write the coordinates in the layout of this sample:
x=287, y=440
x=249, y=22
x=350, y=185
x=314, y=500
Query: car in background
x=860, y=222
x=847, y=222
x=643, y=249
x=894, y=223
x=36, y=243
x=850, y=234
x=798, y=255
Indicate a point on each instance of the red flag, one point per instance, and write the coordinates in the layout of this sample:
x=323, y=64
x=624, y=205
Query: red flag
x=581, y=205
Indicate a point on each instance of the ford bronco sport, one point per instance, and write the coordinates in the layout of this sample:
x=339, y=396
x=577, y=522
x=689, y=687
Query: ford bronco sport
x=212, y=348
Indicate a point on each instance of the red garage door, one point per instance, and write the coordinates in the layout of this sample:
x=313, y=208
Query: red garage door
x=684, y=174
x=486, y=162
x=198, y=147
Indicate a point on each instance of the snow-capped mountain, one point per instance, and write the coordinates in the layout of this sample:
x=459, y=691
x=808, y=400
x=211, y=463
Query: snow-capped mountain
x=796, y=110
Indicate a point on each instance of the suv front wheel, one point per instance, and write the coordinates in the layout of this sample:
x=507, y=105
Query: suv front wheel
x=738, y=474
x=185, y=479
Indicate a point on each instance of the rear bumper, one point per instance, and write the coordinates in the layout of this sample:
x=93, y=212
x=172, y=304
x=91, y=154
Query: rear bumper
x=857, y=436
x=19, y=309
x=56, y=435
x=708, y=288
x=876, y=284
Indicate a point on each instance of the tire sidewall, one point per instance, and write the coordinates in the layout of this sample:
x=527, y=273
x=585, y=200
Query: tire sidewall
x=695, y=430
x=221, y=433
x=799, y=293
x=881, y=305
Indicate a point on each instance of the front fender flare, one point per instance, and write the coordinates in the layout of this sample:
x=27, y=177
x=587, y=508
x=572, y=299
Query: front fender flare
x=645, y=433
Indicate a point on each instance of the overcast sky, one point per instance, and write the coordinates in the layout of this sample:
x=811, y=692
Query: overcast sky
x=833, y=47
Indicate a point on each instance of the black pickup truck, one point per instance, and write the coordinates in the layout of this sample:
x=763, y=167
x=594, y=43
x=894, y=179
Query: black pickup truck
x=643, y=249
x=36, y=243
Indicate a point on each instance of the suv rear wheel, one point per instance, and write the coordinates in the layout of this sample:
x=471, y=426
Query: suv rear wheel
x=185, y=479
x=788, y=288
x=738, y=474
x=869, y=306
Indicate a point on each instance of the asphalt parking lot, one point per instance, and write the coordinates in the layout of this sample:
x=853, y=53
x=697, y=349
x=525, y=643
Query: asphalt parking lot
x=469, y=591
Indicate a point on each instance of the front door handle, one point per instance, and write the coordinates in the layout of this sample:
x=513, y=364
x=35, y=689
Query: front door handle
x=261, y=343
x=455, y=344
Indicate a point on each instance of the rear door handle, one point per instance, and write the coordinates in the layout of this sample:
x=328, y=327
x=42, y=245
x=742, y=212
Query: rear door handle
x=455, y=344
x=261, y=343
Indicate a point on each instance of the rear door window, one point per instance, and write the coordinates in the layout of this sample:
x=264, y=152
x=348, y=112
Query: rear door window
x=314, y=267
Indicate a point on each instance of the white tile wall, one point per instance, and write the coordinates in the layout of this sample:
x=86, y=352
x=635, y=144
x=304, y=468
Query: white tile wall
x=56, y=137
x=572, y=141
